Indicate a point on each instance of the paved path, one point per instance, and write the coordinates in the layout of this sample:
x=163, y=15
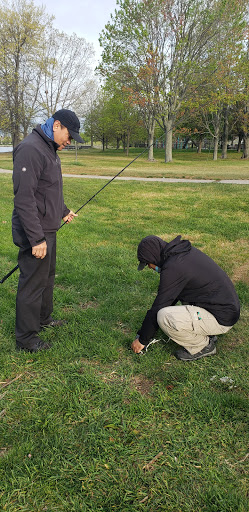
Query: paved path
x=130, y=178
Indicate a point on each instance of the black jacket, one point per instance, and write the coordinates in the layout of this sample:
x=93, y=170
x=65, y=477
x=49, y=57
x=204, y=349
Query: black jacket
x=38, y=203
x=189, y=276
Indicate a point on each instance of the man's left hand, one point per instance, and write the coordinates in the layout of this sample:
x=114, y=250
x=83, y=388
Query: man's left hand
x=70, y=217
x=137, y=346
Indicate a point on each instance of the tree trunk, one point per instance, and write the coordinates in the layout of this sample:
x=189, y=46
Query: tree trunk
x=245, y=146
x=168, y=140
x=239, y=142
x=151, y=132
x=128, y=143
x=103, y=143
x=225, y=133
x=216, y=134
x=215, y=153
x=15, y=136
x=199, y=145
x=124, y=142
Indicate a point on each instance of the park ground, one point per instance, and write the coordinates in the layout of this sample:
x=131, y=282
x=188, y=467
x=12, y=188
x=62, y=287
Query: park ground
x=91, y=427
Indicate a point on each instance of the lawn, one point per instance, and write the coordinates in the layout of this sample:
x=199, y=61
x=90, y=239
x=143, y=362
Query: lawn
x=186, y=164
x=91, y=427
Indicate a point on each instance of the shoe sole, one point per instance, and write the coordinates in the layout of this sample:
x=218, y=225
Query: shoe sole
x=31, y=350
x=193, y=358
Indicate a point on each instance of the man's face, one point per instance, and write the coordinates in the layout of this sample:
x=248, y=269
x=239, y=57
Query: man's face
x=61, y=135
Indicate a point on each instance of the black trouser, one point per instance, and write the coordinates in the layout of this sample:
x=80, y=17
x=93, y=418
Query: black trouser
x=34, y=300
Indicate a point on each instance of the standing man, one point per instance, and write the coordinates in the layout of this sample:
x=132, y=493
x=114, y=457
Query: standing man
x=38, y=210
x=210, y=304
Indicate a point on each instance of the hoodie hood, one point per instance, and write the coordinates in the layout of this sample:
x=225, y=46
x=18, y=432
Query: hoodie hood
x=153, y=249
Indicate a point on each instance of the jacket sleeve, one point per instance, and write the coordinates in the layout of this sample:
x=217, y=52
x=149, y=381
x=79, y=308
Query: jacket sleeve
x=27, y=169
x=172, y=282
x=65, y=211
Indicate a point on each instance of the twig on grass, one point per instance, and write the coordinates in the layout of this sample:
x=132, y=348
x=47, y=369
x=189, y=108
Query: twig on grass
x=150, y=464
x=145, y=499
x=8, y=382
x=238, y=462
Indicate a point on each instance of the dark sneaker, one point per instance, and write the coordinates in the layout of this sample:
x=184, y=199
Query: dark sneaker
x=213, y=338
x=36, y=347
x=54, y=323
x=209, y=350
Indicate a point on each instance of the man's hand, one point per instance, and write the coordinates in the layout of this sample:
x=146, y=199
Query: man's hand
x=70, y=217
x=137, y=346
x=40, y=251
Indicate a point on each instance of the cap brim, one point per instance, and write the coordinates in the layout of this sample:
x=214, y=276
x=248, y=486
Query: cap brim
x=141, y=266
x=76, y=136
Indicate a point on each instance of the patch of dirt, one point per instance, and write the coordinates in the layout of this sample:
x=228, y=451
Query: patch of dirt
x=242, y=273
x=81, y=305
x=108, y=374
x=124, y=329
x=231, y=344
x=4, y=451
x=142, y=384
x=89, y=304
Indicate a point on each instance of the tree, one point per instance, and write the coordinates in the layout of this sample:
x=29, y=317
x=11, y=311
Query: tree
x=67, y=71
x=113, y=119
x=161, y=50
x=128, y=59
x=22, y=26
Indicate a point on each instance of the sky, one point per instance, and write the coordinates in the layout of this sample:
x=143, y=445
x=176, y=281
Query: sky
x=84, y=17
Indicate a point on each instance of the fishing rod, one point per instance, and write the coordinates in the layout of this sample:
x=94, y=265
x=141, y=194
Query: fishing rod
x=91, y=198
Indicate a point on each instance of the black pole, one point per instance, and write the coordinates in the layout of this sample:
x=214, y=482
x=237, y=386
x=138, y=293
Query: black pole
x=9, y=274
x=88, y=201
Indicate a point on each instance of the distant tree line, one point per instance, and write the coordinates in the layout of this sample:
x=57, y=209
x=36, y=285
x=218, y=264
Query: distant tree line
x=167, y=67
x=178, y=65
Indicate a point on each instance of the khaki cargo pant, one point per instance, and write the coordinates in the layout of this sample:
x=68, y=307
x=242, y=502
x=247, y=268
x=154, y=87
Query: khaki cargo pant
x=189, y=326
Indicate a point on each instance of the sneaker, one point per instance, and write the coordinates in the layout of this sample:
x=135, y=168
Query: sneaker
x=214, y=339
x=36, y=347
x=54, y=323
x=209, y=350
x=152, y=342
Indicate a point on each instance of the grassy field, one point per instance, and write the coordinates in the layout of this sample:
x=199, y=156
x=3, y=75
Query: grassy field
x=186, y=164
x=91, y=427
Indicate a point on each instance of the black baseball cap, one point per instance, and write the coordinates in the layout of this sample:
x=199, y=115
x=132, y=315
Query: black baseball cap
x=69, y=119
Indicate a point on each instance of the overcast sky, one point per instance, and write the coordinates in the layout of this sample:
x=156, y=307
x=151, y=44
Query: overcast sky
x=84, y=17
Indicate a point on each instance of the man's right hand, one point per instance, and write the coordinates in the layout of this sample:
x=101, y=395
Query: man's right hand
x=40, y=251
x=137, y=346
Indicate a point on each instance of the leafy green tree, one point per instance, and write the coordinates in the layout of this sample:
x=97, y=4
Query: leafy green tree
x=112, y=119
x=161, y=49
x=128, y=59
x=22, y=26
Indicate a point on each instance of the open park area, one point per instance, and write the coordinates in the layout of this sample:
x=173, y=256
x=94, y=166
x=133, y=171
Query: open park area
x=89, y=426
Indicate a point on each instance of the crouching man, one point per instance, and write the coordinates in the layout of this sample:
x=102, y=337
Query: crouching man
x=210, y=305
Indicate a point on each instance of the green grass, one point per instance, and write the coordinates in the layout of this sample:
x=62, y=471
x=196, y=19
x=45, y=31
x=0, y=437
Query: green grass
x=89, y=426
x=186, y=164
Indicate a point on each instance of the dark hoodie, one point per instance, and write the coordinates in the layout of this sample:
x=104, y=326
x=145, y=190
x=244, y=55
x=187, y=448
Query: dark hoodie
x=189, y=276
x=38, y=204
